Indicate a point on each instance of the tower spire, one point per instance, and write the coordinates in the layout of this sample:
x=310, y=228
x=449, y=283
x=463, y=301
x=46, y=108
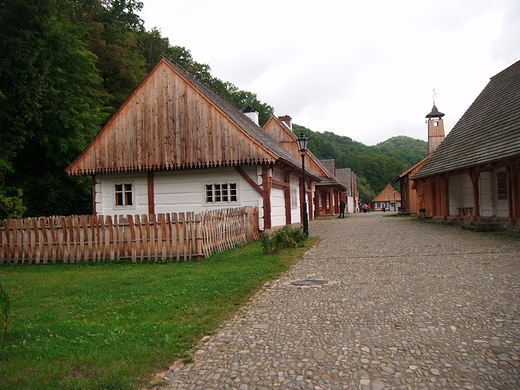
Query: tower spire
x=435, y=126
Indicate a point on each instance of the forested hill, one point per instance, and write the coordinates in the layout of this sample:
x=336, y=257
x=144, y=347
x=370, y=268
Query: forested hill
x=375, y=166
x=66, y=66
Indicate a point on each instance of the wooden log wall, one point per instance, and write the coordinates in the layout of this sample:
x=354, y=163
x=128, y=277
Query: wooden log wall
x=175, y=236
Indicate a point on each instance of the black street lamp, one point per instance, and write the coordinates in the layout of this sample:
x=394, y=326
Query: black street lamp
x=303, y=141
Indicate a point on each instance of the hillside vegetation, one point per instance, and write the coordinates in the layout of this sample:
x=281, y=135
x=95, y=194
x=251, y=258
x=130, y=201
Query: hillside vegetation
x=375, y=166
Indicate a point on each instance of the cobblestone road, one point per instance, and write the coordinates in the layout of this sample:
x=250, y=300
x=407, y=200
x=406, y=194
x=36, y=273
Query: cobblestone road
x=407, y=305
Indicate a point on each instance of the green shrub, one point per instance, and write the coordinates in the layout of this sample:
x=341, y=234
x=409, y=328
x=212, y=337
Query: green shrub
x=285, y=237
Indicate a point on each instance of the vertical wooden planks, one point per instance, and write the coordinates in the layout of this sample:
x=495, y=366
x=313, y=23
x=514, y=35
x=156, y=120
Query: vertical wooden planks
x=178, y=236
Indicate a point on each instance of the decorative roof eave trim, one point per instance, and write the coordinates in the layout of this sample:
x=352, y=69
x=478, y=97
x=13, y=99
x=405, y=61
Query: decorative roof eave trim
x=193, y=165
x=480, y=166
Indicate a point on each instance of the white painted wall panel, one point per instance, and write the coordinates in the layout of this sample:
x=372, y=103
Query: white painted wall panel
x=455, y=194
x=105, y=198
x=175, y=191
x=182, y=191
x=277, y=206
x=485, y=194
x=467, y=190
x=295, y=191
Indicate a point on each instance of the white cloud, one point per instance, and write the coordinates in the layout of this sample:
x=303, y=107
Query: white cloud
x=360, y=69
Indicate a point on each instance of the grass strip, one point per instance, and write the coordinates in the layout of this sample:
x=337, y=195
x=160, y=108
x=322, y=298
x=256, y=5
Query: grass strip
x=111, y=325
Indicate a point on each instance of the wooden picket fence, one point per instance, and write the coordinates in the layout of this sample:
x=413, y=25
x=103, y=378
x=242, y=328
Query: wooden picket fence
x=175, y=236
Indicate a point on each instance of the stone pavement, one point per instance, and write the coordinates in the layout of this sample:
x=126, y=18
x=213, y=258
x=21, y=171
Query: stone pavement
x=407, y=305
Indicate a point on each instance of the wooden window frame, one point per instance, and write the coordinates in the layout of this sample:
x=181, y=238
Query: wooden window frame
x=221, y=193
x=124, y=195
x=502, y=185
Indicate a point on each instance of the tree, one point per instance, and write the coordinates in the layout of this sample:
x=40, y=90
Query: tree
x=23, y=69
x=114, y=39
x=66, y=112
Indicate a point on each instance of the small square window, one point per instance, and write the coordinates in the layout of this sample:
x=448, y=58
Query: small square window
x=123, y=194
x=220, y=193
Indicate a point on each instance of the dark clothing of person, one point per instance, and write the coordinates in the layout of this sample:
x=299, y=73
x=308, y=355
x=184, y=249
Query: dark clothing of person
x=342, y=209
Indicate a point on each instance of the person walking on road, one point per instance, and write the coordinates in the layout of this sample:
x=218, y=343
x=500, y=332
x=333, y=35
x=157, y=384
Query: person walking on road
x=342, y=209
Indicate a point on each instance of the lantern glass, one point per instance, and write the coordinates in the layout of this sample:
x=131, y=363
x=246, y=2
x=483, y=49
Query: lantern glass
x=303, y=141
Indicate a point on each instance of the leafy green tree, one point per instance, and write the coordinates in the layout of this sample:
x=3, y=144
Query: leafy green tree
x=24, y=66
x=366, y=193
x=66, y=114
x=406, y=149
x=114, y=39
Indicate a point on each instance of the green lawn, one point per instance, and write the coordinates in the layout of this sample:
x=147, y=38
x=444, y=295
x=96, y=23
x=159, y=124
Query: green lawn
x=112, y=325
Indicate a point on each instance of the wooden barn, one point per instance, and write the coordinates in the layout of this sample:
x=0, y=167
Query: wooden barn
x=474, y=174
x=176, y=146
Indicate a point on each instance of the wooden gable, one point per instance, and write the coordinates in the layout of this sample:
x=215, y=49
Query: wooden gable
x=173, y=122
x=388, y=193
x=286, y=138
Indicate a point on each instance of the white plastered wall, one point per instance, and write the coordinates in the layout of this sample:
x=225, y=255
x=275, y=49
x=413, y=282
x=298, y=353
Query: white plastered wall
x=460, y=193
x=174, y=191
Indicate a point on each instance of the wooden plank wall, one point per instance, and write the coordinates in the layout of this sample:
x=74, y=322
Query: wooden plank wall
x=175, y=236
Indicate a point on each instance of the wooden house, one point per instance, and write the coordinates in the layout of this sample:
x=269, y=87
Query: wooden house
x=280, y=129
x=176, y=146
x=388, y=200
x=329, y=192
x=475, y=171
x=323, y=197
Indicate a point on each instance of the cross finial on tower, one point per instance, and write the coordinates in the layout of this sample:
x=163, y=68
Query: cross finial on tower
x=434, y=96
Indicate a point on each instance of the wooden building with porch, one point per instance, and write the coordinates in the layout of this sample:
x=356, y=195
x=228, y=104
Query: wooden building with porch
x=329, y=192
x=474, y=173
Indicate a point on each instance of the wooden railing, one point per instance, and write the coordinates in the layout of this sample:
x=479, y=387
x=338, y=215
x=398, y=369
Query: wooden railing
x=175, y=236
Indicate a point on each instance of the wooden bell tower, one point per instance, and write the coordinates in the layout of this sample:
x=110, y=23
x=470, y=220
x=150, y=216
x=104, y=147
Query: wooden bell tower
x=435, y=129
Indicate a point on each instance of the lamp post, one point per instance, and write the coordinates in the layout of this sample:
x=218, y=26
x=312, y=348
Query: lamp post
x=303, y=141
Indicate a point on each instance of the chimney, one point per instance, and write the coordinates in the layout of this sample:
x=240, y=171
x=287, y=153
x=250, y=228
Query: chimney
x=252, y=114
x=287, y=120
x=435, y=129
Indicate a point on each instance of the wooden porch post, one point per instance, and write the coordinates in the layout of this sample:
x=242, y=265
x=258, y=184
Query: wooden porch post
x=474, y=176
x=151, y=193
x=433, y=199
x=94, y=182
x=513, y=188
x=311, y=201
x=266, y=186
x=446, y=192
x=287, y=196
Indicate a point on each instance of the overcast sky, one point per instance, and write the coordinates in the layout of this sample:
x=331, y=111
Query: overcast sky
x=363, y=69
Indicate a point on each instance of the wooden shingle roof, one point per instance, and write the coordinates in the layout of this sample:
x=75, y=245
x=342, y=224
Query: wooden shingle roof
x=488, y=131
x=172, y=121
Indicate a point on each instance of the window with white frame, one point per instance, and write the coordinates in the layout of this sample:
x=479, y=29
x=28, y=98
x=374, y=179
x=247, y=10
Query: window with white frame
x=124, y=195
x=221, y=193
x=294, y=198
